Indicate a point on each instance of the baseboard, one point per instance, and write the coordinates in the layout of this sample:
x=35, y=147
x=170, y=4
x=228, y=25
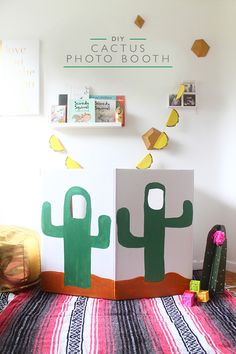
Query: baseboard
x=197, y=265
x=230, y=266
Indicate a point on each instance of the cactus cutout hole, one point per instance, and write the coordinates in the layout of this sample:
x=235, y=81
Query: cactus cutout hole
x=156, y=198
x=79, y=206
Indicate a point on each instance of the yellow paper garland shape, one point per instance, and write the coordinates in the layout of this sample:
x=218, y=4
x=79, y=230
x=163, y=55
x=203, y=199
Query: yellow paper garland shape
x=180, y=92
x=145, y=162
x=55, y=144
x=70, y=163
x=173, y=118
x=161, y=142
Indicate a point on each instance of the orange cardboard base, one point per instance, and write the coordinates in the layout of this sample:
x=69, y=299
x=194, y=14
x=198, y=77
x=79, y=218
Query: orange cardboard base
x=173, y=284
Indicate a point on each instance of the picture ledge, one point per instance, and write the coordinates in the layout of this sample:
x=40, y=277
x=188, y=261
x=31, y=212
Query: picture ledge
x=85, y=125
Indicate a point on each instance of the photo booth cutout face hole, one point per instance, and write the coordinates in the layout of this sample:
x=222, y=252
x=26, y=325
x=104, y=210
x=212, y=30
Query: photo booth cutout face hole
x=156, y=198
x=78, y=207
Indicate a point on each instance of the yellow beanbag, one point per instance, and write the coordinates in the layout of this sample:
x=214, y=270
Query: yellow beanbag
x=19, y=258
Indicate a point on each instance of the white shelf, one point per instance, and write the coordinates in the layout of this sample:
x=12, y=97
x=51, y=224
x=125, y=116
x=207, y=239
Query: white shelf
x=85, y=125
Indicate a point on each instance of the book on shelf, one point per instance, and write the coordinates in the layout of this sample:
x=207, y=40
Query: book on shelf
x=58, y=114
x=89, y=109
x=80, y=93
x=120, y=110
x=109, y=109
x=81, y=111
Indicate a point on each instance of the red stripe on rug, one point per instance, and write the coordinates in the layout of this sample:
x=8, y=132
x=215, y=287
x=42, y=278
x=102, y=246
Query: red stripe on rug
x=166, y=330
x=200, y=324
x=44, y=338
x=13, y=308
x=58, y=329
x=154, y=324
x=212, y=333
x=101, y=324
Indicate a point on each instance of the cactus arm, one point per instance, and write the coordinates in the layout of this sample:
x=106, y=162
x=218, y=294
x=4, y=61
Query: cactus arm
x=103, y=238
x=125, y=237
x=183, y=220
x=47, y=227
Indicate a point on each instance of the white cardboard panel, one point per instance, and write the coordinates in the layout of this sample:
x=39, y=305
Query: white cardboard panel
x=127, y=190
x=101, y=189
x=130, y=186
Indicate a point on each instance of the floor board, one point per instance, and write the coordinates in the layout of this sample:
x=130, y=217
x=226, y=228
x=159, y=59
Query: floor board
x=230, y=282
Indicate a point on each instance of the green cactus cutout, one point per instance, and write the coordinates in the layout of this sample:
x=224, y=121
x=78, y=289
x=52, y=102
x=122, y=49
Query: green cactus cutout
x=77, y=238
x=153, y=240
x=214, y=265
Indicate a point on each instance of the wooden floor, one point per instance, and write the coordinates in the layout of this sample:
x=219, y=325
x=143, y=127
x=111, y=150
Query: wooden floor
x=230, y=282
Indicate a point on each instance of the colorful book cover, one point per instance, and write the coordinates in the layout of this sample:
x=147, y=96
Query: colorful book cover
x=81, y=111
x=78, y=93
x=58, y=114
x=105, y=109
x=109, y=109
x=120, y=110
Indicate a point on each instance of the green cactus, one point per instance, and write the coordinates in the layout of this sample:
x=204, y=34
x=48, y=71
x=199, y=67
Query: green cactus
x=77, y=239
x=214, y=265
x=153, y=239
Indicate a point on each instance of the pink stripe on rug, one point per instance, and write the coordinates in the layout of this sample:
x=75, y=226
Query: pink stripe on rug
x=93, y=327
x=43, y=329
x=96, y=346
x=166, y=330
x=154, y=325
x=13, y=308
x=230, y=298
x=48, y=326
x=58, y=328
x=200, y=325
x=211, y=330
x=101, y=326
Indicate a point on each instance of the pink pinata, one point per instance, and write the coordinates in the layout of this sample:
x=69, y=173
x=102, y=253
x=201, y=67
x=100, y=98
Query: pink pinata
x=218, y=238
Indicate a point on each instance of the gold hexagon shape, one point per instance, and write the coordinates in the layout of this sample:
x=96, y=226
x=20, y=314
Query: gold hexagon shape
x=200, y=48
x=139, y=21
x=150, y=137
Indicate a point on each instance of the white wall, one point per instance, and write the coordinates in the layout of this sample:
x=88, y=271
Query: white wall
x=204, y=140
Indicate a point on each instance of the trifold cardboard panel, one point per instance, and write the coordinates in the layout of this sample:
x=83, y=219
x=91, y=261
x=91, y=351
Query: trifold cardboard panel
x=119, y=234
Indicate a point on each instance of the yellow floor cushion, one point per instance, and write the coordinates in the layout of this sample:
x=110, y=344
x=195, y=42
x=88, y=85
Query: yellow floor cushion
x=19, y=258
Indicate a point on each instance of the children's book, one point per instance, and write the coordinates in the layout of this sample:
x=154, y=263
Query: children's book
x=120, y=110
x=109, y=109
x=105, y=107
x=78, y=93
x=58, y=114
x=81, y=111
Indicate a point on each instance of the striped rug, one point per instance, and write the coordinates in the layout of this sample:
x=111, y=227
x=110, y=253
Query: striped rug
x=37, y=322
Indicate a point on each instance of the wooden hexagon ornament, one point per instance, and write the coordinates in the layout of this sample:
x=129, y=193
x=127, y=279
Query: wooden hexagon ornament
x=139, y=21
x=200, y=47
x=150, y=137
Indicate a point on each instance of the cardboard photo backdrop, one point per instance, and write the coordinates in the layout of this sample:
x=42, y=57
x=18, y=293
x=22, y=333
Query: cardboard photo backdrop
x=117, y=234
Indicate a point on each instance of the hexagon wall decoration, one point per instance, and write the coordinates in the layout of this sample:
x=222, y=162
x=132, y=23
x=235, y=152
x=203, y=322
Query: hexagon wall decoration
x=200, y=48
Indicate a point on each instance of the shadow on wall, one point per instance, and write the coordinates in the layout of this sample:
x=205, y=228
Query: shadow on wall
x=209, y=211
